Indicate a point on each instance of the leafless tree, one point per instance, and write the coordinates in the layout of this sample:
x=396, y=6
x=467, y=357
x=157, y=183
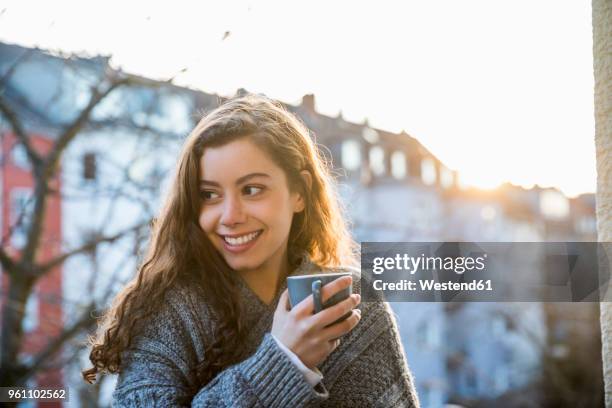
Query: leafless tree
x=24, y=268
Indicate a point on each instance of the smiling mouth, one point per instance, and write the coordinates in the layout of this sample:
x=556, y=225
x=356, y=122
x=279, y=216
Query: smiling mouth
x=242, y=239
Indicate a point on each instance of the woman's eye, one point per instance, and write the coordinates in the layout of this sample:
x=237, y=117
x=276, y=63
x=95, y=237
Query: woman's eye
x=252, y=190
x=208, y=195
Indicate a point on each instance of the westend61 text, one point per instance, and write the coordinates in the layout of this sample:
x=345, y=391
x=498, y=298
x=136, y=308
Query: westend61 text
x=430, y=284
x=412, y=264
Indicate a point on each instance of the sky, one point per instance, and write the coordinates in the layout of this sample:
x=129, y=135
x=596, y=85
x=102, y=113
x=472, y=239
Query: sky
x=498, y=90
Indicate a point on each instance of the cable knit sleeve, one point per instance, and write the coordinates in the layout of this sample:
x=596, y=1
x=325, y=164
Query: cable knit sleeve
x=157, y=370
x=266, y=379
x=389, y=381
x=370, y=366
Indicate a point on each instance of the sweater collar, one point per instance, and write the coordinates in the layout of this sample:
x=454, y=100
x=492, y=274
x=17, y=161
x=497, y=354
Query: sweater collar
x=253, y=305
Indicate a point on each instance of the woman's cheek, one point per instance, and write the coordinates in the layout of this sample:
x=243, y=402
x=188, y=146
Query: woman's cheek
x=206, y=222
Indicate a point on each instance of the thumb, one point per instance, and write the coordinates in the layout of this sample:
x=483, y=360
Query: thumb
x=283, y=301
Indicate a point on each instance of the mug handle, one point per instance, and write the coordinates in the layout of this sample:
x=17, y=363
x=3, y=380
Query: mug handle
x=316, y=294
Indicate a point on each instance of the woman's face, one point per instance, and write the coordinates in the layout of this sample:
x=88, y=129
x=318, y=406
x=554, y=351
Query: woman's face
x=247, y=207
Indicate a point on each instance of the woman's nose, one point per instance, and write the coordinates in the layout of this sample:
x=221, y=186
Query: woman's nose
x=233, y=212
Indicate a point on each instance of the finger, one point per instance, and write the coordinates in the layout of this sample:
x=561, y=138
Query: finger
x=335, y=286
x=333, y=313
x=334, y=344
x=283, y=301
x=341, y=328
x=306, y=307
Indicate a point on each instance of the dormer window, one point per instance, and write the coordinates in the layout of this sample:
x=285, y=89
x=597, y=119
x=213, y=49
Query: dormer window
x=398, y=165
x=428, y=171
x=351, y=155
x=89, y=166
x=377, y=160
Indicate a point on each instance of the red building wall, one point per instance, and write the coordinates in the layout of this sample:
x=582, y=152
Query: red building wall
x=15, y=180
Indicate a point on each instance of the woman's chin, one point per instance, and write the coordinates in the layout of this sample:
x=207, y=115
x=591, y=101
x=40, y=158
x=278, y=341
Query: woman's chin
x=242, y=265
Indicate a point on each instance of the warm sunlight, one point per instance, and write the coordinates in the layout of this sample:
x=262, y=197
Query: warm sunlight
x=320, y=203
x=487, y=102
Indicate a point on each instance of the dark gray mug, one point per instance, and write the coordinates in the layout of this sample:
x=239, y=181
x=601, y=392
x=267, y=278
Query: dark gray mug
x=302, y=286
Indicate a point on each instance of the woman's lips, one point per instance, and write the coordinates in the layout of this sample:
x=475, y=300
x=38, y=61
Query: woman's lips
x=239, y=248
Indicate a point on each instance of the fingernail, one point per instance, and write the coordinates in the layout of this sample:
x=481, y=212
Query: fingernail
x=358, y=297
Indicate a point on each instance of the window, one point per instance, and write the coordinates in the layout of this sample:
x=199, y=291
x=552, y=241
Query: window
x=30, y=320
x=89, y=166
x=586, y=225
x=398, y=165
x=351, y=155
x=19, y=156
x=370, y=135
x=171, y=112
x=21, y=206
x=377, y=160
x=554, y=205
x=446, y=178
x=428, y=171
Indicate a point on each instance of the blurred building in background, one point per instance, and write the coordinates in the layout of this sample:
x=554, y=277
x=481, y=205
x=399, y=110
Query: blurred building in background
x=44, y=315
x=394, y=189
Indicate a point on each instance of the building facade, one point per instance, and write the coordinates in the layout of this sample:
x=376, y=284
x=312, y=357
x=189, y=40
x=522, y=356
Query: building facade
x=113, y=175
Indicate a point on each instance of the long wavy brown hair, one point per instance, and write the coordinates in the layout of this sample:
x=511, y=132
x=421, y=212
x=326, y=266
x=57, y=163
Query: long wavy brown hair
x=180, y=249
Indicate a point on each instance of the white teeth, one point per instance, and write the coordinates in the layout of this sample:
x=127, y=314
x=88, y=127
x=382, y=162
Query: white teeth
x=242, y=239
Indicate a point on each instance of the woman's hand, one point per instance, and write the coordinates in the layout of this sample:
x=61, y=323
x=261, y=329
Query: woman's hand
x=307, y=335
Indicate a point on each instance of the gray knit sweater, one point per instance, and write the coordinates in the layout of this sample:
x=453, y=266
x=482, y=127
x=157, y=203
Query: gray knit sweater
x=368, y=369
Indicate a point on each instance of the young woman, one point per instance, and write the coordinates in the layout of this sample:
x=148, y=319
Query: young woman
x=206, y=321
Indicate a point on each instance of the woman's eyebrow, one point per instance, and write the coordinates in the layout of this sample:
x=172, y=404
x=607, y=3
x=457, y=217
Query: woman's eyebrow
x=241, y=180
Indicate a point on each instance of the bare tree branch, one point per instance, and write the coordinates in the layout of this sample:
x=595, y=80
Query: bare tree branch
x=18, y=222
x=87, y=247
x=85, y=321
x=52, y=160
x=25, y=271
x=129, y=124
x=8, y=264
x=70, y=133
x=20, y=133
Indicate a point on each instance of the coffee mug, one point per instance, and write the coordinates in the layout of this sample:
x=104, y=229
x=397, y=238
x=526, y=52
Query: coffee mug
x=302, y=286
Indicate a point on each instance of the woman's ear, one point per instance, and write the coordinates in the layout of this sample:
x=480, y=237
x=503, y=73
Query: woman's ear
x=307, y=178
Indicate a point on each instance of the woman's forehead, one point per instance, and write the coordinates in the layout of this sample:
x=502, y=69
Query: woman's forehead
x=234, y=160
